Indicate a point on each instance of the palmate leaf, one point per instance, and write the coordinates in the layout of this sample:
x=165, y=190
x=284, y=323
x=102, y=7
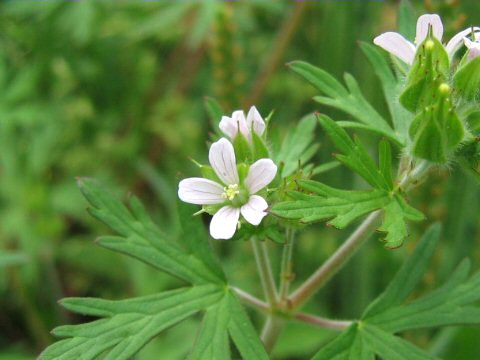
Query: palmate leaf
x=349, y=100
x=342, y=207
x=127, y=325
x=451, y=304
x=140, y=237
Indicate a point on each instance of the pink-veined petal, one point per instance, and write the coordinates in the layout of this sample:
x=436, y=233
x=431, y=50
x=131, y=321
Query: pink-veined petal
x=254, y=210
x=260, y=174
x=457, y=41
x=222, y=159
x=228, y=126
x=424, y=22
x=224, y=223
x=200, y=191
x=473, y=48
x=397, y=45
x=239, y=117
x=255, y=121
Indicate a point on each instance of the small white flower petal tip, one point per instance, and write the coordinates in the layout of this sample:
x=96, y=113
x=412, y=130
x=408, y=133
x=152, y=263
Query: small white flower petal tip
x=254, y=122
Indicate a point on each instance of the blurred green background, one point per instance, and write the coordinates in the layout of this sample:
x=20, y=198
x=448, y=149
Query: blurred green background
x=115, y=91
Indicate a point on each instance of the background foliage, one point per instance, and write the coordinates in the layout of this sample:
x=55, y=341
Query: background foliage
x=116, y=91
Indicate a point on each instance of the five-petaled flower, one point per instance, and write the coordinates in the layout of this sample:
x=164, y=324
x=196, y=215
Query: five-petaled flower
x=237, y=195
x=397, y=45
x=231, y=126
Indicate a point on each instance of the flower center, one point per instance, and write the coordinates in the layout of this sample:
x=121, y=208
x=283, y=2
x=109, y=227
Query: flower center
x=230, y=192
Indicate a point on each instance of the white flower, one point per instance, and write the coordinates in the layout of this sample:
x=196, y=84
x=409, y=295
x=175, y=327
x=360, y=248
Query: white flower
x=397, y=45
x=473, y=46
x=254, y=121
x=238, y=198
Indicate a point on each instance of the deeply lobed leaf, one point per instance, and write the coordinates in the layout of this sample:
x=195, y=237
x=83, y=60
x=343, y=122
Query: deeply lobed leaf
x=349, y=100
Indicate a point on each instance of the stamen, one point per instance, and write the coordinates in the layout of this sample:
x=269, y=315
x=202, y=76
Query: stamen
x=230, y=192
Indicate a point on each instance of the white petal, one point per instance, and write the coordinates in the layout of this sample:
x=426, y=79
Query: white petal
x=238, y=117
x=255, y=121
x=224, y=222
x=457, y=41
x=228, y=126
x=254, y=210
x=397, y=45
x=260, y=174
x=473, y=48
x=424, y=22
x=222, y=159
x=200, y=191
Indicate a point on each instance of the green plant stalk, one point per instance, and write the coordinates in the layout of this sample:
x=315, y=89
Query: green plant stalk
x=303, y=317
x=286, y=274
x=338, y=260
x=271, y=331
x=265, y=271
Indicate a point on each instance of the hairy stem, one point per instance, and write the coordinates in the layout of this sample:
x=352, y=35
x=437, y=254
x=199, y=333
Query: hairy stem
x=271, y=331
x=303, y=317
x=286, y=274
x=265, y=271
x=336, y=261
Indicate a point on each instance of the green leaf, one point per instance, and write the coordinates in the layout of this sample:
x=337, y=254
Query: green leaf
x=339, y=348
x=451, y=304
x=342, y=206
x=392, y=89
x=129, y=324
x=385, y=161
x=296, y=145
x=408, y=276
x=362, y=341
x=394, y=221
x=212, y=341
x=141, y=238
x=195, y=238
x=391, y=347
x=350, y=99
x=354, y=154
x=243, y=333
x=467, y=79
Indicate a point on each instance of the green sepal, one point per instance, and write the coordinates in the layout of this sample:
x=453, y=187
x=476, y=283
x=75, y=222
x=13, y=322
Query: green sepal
x=467, y=79
x=212, y=209
x=468, y=157
x=209, y=173
x=242, y=171
x=243, y=152
x=437, y=130
x=428, y=71
x=260, y=149
x=473, y=121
